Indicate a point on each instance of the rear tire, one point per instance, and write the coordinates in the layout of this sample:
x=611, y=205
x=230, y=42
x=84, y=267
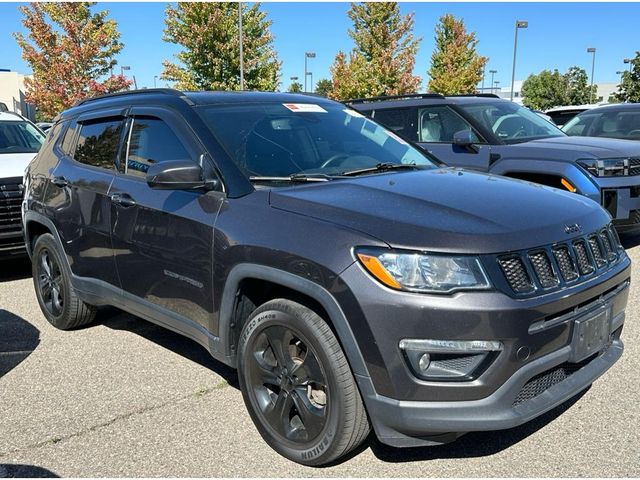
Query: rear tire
x=56, y=296
x=297, y=384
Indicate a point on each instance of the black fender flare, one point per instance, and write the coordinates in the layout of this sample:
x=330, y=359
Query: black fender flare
x=311, y=289
x=31, y=216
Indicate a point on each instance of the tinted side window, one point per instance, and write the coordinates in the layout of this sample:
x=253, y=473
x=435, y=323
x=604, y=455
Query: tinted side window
x=66, y=143
x=440, y=123
x=98, y=142
x=403, y=121
x=152, y=141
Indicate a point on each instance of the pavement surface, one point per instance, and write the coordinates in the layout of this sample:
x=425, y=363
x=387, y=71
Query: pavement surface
x=123, y=397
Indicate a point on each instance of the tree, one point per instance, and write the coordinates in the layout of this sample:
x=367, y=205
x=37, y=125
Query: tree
x=382, y=60
x=456, y=68
x=210, y=59
x=323, y=87
x=295, y=87
x=551, y=89
x=629, y=88
x=70, y=51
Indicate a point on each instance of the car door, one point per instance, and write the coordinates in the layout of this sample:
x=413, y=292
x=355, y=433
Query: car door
x=437, y=125
x=163, y=239
x=77, y=195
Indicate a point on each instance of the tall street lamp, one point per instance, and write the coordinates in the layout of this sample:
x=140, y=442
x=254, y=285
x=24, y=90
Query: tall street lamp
x=123, y=68
x=628, y=60
x=307, y=55
x=483, y=70
x=519, y=24
x=593, y=65
x=496, y=85
x=310, y=80
x=241, y=46
x=492, y=72
x=155, y=77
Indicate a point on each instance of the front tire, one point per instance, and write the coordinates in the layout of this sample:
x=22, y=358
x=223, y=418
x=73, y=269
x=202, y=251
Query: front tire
x=297, y=384
x=56, y=296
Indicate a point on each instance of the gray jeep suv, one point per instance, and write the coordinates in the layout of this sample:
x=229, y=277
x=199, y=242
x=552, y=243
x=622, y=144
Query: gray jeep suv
x=489, y=134
x=352, y=281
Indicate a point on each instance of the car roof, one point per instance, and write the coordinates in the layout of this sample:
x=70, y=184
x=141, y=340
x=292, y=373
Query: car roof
x=421, y=99
x=168, y=95
x=10, y=117
x=616, y=107
x=567, y=108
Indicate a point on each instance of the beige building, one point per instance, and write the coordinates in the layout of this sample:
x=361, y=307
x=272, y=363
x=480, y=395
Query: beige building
x=12, y=94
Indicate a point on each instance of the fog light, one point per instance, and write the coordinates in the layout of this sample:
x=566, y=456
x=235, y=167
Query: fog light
x=448, y=360
x=424, y=362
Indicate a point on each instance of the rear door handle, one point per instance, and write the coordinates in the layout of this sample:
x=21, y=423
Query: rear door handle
x=60, y=182
x=122, y=199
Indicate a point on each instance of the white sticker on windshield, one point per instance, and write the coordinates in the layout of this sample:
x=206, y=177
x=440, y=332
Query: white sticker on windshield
x=353, y=113
x=304, y=107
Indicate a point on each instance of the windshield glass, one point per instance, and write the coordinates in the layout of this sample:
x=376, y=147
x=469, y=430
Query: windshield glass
x=511, y=123
x=19, y=137
x=279, y=140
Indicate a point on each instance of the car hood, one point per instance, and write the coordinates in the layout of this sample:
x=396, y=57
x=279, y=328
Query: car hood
x=585, y=147
x=445, y=210
x=14, y=164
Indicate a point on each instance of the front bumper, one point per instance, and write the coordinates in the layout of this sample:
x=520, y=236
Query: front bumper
x=620, y=196
x=408, y=411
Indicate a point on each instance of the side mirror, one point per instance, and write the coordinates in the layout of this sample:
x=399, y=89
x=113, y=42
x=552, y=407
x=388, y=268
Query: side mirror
x=178, y=175
x=465, y=139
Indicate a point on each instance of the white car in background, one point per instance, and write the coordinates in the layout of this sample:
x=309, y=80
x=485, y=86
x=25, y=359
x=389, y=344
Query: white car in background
x=561, y=115
x=20, y=140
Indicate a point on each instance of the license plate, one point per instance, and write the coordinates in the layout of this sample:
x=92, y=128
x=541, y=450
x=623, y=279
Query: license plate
x=590, y=333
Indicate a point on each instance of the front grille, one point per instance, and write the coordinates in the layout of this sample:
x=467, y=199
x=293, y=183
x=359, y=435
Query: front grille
x=11, y=193
x=634, y=166
x=516, y=274
x=553, y=266
x=545, y=380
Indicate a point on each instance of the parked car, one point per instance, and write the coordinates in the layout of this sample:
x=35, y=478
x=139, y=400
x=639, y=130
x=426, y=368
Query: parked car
x=561, y=115
x=486, y=133
x=619, y=120
x=19, y=142
x=351, y=280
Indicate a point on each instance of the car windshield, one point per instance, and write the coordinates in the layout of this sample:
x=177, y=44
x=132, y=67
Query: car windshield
x=606, y=123
x=19, y=137
x=280, y=140
x=509, y=122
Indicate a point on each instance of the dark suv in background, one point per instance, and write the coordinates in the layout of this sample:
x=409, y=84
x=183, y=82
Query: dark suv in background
x=352, y=281
x=486, y=133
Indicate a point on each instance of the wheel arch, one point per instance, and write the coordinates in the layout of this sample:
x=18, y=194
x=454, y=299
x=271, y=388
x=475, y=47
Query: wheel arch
x=35, y=225
x=246, y=280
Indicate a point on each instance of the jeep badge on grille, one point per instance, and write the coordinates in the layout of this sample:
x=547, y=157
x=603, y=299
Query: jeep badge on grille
x=573, y=228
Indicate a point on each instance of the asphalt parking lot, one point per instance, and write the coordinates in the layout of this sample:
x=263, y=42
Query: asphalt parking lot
x=123, y=397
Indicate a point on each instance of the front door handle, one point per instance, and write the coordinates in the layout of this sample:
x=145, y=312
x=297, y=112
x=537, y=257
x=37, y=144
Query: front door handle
x=122, y=199
x=60, y=182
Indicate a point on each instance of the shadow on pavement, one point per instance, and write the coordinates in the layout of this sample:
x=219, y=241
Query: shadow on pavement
x=18, y=338
x=15, y=268
x=629, y=240
x=118, y=320
x=474, y=444
x=11, y=470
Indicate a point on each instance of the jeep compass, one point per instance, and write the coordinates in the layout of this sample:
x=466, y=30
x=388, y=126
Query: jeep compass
x=354, y=282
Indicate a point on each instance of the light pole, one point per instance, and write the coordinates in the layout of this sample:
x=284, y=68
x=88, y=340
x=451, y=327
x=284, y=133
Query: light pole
x=593, y=65
x=628, y=60
x=310, y=80
x=241, y=46
x=123, y=68
x=496, y=85
x=483, y=70
x=519, y=24
x=492, y=72
x=155, y=77
x=307, y=55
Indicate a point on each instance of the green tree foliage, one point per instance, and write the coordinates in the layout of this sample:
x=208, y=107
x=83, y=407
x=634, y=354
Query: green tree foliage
x=210, y=57
x=456, y=67
x=323, y=87
x=70, y=51
x=295, y=87
x=629, y=88
x=382, y=60
x=551, y=89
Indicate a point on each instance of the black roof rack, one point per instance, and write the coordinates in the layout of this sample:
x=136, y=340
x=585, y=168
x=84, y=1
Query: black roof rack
x=166, y=91
x=485, y=95
x=394, y=97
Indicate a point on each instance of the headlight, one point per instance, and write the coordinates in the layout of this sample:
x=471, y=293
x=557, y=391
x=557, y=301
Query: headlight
x=417, y=272
x=609, y=167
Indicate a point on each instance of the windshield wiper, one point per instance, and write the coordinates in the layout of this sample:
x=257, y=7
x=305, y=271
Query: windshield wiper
x=296, y=177
x=381, y=167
